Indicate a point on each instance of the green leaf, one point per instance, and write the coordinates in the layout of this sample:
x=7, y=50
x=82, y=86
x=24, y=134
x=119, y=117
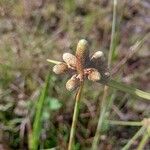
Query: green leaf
x=53, y=103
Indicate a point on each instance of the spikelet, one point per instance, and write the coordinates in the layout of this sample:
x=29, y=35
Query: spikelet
x=97, y=54
x=72, y=83
x=94, y=75
x=60, y=68
x=98, y=61
x=82, y=55
x=70, y=60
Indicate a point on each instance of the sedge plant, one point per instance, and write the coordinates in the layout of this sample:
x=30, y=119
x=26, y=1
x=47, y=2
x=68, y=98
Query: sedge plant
x=81, y=67
x=94, y=68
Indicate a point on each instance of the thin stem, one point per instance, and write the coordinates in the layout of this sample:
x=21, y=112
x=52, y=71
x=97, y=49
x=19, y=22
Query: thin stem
x=75, y=117
x=138, y=133
x=100, y=121
x=143, y=142
x=106, y=88
x=126, y=123
x=112, y=34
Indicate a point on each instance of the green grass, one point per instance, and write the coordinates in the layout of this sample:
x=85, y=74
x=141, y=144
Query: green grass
x=34, y=138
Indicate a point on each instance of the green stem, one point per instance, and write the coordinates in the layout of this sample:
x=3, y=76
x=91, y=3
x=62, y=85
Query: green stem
x=104, y=105
x=143, y=142
x=75, y=117
x=139, y=132
x=34, y=141
x=100, y=121
x=112, y=33
x=126, y=123
x=129, y=89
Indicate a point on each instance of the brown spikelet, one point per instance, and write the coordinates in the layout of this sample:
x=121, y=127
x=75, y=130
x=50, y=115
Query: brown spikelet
x=97, y=55
x=60, y=68
x=70, y=59
x=82, y=54
x=94, y=75
x=98, y=61
x=72, y=83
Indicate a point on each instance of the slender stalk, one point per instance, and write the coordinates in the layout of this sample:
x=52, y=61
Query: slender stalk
x=75, y=117
x=100, y=121
x=138, y=133
x=126, y=123
x=112, y=34
x=143, y=142
x=106, y=88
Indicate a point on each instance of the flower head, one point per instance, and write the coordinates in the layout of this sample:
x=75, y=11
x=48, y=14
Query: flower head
x=81, y=66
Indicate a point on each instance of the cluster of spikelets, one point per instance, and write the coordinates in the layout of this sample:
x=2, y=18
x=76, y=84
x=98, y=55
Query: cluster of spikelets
x=81, y=66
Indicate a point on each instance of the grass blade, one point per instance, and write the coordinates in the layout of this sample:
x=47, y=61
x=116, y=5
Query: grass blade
x=125, y=123
x=143, y=142
x=113, y=30
x=38, y=113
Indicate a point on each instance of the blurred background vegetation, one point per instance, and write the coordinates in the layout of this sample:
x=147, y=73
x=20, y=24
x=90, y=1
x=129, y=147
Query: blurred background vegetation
x=31, y=32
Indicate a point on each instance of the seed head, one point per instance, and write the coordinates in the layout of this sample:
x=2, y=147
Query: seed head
x=82, y=54
x=97, y=54
x=82, y=67
x=60, y=68
x=70, y=59
x=94, y=75
x=82, y=51
x=82, y=46
x=72, y=83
